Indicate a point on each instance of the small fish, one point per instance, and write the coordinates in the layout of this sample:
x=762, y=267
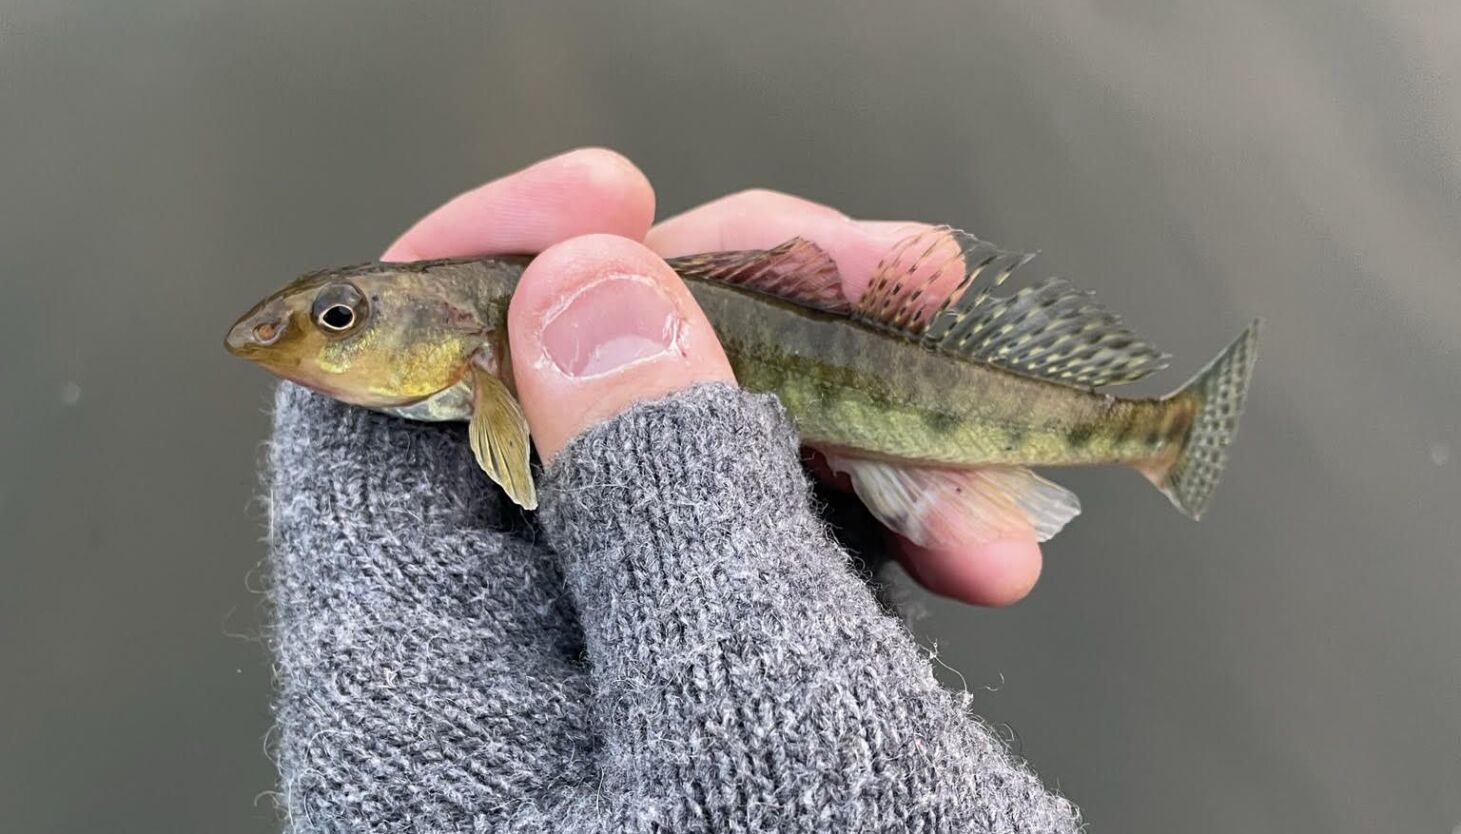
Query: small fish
x=932, y=392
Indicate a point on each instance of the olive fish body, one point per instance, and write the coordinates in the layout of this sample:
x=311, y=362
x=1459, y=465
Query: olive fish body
x=933, y=392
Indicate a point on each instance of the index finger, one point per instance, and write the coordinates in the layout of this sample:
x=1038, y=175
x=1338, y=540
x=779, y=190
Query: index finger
x=759, y=219
x=584, y=191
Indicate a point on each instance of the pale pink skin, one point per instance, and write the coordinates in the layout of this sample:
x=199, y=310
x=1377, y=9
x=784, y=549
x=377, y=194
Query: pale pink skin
x=590, y=213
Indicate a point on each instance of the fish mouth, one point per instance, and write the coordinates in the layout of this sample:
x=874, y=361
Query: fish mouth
x=258, y=329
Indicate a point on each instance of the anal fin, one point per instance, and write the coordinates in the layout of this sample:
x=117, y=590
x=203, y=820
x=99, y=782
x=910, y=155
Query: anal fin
x=959, y=507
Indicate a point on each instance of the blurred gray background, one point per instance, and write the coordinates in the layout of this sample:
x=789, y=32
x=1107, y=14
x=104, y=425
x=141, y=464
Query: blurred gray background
x=1293, y=663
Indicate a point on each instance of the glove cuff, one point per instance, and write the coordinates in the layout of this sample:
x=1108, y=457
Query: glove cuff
x=703, y=462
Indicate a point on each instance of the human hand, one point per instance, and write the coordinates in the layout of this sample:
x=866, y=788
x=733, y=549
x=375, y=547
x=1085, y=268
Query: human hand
x=597, y=191
x=674, y=645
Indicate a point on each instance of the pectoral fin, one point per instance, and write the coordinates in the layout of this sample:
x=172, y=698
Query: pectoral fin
x=959, y=507
x=499, y=435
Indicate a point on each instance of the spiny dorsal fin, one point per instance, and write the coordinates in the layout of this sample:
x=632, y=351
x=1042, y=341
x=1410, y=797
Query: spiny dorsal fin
x=797, y=270
x=936, y=288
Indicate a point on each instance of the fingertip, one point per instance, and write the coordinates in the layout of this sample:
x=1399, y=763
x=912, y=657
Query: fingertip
x=611, y=178
x=598, y=323
x=750, y=219
x=996, y=574
x=583, y=191
x=607, y=166
x=759, y=218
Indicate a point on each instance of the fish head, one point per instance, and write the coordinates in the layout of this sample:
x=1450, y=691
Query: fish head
x=372, y=335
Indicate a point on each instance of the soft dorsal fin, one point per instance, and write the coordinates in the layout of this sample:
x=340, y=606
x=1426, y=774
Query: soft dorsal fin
x=936, y=288
x=797, y=270
x=1052, y=331
x=929, y=271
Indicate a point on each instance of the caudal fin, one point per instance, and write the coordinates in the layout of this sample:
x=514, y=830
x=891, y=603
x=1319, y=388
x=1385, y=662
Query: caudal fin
x=1219, y=389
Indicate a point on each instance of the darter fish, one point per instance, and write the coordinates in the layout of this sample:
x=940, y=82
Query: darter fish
x=933, y=392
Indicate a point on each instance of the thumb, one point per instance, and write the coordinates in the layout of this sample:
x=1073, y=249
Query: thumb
x=597, y=324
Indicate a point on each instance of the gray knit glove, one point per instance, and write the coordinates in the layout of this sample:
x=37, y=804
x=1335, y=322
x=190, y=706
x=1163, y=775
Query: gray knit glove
x=673, y=645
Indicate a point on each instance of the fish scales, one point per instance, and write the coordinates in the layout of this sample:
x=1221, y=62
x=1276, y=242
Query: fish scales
x=848, y=385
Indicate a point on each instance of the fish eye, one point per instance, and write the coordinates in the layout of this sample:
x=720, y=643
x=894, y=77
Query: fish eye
x=339, y=308
x=338, y=317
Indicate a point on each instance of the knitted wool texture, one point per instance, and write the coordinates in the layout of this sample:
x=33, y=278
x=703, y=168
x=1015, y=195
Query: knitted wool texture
x=673, y=645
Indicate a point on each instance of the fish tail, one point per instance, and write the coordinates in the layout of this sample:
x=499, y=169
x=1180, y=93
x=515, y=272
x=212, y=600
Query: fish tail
x=1190, y=477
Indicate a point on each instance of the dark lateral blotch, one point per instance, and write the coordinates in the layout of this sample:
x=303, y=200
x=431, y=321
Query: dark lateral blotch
x=1079, y=436
x=940, y=421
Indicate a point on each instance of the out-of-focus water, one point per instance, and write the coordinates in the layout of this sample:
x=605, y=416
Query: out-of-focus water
x=1293, y=663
